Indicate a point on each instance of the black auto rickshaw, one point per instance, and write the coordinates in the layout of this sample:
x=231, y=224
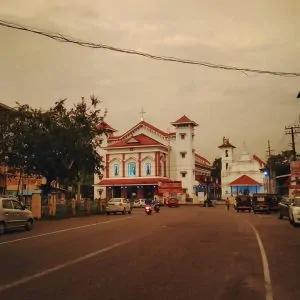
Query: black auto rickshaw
x=243, y=203
x=261, y=203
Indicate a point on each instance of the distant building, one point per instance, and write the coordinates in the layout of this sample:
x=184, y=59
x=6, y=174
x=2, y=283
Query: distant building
x=241, y=174
x=144, y=159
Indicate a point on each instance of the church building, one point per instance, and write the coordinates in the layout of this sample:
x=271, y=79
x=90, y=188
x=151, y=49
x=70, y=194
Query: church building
x=242, y=173
x=146, y=161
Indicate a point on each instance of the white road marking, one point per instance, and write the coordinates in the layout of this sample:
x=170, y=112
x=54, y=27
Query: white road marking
x=266, y=270
x=59, y=267
x=61, y=231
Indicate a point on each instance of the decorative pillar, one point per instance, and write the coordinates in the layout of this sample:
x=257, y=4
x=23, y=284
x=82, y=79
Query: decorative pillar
x=159, y=165
x=140, y=164
x=123, y=164
x=155, y=190
x=156, y=162
x=123, y=192
x=140, y=192
x=107, y=165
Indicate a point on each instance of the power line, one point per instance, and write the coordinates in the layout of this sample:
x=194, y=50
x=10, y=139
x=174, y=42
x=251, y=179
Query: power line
x=62, y=38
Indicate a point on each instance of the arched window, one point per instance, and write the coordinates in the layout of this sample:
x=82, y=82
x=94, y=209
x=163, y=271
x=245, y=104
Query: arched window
x=148, y=169
x=116, y=169
x=226, y=153
x=226, y=166
x=132, y=169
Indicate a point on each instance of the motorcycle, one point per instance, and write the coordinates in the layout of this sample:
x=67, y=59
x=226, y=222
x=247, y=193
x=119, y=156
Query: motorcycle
x=148, y=209
x=157, y=208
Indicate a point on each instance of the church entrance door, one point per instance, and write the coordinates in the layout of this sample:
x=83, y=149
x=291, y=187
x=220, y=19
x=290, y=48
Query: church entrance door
x=131, y=192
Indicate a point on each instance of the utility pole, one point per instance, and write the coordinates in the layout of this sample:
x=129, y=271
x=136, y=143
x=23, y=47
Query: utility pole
x=293, y=130
x=169, y=155
x=271, y=183
x=269, y=149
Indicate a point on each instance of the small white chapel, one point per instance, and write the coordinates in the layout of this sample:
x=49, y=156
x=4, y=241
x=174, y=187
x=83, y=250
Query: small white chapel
x=241, y=173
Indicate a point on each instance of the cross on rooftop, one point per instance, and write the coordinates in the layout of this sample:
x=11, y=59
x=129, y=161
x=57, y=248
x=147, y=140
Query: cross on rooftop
x=142, y=114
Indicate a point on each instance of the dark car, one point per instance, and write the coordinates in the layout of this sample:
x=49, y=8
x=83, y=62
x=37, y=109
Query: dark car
x=261, y=203
x=173, y=202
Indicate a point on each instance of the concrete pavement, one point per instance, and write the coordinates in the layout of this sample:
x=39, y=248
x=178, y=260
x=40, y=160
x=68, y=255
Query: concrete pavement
x=181, y=253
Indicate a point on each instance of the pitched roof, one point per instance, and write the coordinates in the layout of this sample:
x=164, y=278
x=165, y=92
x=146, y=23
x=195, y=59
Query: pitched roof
x=137, y=140
x=244, y=180
x=5, y=107
x=146, y=125
x=106, y=127
x=132, y=181
x=201, y=158
x=226, y=144
x=184, y=120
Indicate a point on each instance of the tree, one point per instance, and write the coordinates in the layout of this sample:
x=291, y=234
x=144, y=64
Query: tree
x=280, y=165
x=60, y=144
x=217, y=168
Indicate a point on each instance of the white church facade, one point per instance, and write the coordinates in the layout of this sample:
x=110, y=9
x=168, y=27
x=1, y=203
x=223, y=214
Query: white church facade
x=241, y=173
x=144, y=159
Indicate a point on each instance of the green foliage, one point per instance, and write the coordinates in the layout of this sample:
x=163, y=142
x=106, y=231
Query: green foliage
x=59, y=143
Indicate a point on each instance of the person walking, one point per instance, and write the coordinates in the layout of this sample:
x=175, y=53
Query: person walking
x=227, y=203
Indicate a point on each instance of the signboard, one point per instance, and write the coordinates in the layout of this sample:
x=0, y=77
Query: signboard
x=295, y=168
x=170, y=187
x=28, y=181
x=201, y=197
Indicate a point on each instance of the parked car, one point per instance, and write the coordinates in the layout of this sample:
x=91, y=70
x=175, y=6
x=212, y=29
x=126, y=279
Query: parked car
x=139, y=203
x=118, y=205
x=261, y=203
x=13, y=215
x=294, y=211
x=173, y=202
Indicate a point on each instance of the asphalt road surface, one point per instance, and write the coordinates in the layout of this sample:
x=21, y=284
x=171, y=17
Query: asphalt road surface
x=181, y=253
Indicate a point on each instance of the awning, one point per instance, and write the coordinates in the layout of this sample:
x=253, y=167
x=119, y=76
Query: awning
x=131, y=181
x=245, y=180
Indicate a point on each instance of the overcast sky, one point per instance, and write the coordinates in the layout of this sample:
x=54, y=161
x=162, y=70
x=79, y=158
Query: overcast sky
x=262, y=34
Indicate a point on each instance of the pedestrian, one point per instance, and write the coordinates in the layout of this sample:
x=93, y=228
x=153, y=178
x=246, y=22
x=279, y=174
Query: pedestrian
x=227, y=203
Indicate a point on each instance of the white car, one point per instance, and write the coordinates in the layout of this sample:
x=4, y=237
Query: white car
x=13, y=215
x=294, y=211
x=139, y=203
x=118, y=205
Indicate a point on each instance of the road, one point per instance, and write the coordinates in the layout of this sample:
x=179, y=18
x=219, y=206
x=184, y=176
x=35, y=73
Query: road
x=181, y=253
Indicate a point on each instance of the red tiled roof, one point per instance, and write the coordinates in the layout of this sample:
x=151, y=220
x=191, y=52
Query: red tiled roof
x=146, y=125
x=202, y=158
x=105, y=126
x=244, y=180
x=138, y=140
x=261, y=163
x=131, y=181
x=184, y=120
x=6, y=108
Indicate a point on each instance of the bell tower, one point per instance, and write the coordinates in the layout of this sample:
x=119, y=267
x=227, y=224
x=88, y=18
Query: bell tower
x=227, y=155
x=184, y=152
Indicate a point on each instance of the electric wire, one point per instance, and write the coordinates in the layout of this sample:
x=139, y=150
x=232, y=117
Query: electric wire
x=64, y=39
